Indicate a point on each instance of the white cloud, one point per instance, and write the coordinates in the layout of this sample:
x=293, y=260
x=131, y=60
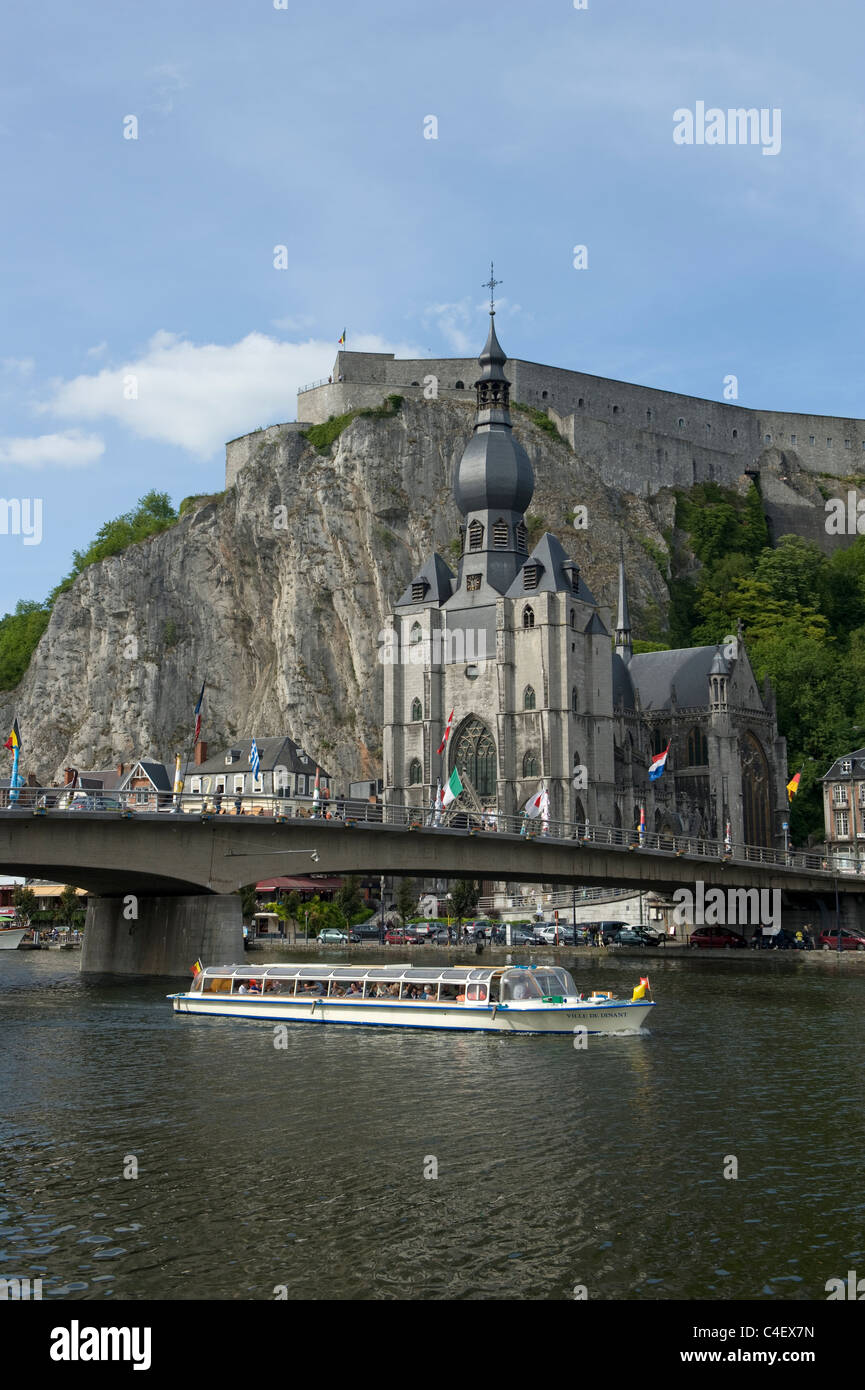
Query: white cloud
x=463, y=324
x=169, y=80
x=98, y=351
x=198, y=396
x=71, y=449
x=22, y=366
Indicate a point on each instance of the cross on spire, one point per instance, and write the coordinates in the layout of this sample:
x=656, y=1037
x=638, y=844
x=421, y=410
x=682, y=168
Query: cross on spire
x=490, y=285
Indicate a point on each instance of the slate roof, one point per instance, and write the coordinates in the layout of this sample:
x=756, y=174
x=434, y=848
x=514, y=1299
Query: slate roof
x=553, y=559
x=440, y=579
x=272, y=752
x=157, y=772
x=655, y=673
x=857, y=759
x=623, y=688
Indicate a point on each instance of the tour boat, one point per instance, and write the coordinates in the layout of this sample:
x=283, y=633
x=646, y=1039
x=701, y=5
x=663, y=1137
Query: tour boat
x=11, y=937
x=494, y=999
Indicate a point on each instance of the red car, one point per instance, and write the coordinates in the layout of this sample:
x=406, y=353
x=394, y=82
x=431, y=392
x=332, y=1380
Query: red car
x=850, y=940
x=715, y=936
x=397, y=937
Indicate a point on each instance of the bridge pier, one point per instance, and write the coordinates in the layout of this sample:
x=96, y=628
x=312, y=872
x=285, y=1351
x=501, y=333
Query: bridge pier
x=165, y=937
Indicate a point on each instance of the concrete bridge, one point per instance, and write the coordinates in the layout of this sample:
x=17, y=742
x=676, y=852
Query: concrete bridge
x=164, y=886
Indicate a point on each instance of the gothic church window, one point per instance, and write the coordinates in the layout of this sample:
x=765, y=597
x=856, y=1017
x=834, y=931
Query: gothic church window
x=459, y=386
x=475, y=757
x=416, y=711
x=528, y=617
x=659, y=741
x=500, y=534
x=575, y=704
x=522, y=536
x=416, y=634
x=528, y=698
x=476, y=536
x=698, y=749
x=573, y=620
x=415, y=775
x=530, y=765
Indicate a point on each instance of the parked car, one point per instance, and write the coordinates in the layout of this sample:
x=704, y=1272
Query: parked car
x=367, y=931
x=635, y=936
x=782, y=940
x=609, y=930
x=521, y=937
x=443, y=938
x=480, y=926
x=716, y=936
x=401, y=936
x=332, y=936
x=553, y=934
x=851, y=940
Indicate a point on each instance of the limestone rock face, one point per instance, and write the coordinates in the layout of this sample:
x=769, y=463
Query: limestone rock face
x=277, y=594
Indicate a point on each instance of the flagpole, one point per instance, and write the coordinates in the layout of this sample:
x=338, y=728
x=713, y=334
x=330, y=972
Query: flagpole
x=190, y=753
x=13, y=786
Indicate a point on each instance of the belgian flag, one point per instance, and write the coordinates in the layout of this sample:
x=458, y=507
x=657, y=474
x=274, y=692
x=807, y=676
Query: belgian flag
x=14, y=739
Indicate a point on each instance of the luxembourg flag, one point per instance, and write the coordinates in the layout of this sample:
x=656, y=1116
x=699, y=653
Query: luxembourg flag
x=658, y=765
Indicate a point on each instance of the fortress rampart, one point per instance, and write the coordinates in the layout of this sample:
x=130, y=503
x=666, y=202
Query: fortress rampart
x=636, y=438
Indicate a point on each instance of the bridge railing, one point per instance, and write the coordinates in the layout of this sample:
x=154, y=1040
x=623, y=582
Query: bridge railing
x=72, y=800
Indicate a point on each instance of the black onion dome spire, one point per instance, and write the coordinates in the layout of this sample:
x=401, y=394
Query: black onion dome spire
x=495, y=472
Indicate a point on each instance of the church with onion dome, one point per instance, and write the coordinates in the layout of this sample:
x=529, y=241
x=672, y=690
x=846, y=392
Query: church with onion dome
x=547, y=692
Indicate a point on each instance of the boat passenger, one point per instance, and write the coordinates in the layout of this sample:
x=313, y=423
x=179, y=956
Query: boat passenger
x=241, y=989
x=254, y=987
x=355, y=989
x=428, y=992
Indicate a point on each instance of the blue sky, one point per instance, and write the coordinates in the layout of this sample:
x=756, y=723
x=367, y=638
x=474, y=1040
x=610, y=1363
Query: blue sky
x=303, y=127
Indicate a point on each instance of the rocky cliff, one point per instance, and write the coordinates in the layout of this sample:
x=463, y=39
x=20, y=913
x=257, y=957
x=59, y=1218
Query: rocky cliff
x=277, y=593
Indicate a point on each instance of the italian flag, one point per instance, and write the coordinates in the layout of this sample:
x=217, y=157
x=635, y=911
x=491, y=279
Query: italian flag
x=453, y=789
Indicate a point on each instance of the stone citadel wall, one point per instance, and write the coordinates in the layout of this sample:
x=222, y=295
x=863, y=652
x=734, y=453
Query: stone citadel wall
x=637, y=438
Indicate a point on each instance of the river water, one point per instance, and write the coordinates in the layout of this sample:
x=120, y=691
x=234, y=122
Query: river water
x=302, y=1170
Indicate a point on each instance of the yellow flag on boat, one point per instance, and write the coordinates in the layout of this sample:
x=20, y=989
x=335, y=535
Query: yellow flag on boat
x=640, y=989
x=197, y=968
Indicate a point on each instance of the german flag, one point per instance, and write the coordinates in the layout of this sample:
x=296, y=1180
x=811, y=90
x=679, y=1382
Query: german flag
x=14, y=739
x=341, y=340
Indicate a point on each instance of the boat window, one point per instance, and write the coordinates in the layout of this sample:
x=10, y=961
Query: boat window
x=549, y=982
x=567, y=980
x=519, y=985
x=217, y=984
x=476, y=994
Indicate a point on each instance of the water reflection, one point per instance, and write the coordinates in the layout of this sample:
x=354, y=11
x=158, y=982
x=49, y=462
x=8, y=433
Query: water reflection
x=304, y=1166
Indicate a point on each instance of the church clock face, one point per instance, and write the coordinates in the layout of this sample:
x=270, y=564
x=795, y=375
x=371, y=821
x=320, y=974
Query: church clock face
x=475, y=757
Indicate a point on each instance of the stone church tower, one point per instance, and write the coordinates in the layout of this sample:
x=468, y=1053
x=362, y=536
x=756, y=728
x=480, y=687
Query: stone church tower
x=516, y=645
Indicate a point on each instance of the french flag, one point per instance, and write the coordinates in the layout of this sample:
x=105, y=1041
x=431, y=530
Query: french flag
x=658, y=765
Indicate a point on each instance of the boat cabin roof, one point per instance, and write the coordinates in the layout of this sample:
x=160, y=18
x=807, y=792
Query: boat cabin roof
x=323, y=971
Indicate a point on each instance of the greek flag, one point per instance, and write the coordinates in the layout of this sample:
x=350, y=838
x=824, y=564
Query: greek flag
x=255, y=761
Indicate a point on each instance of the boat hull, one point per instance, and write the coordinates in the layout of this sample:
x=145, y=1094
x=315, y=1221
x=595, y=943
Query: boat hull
x=617, y=1016
x=11, y=938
